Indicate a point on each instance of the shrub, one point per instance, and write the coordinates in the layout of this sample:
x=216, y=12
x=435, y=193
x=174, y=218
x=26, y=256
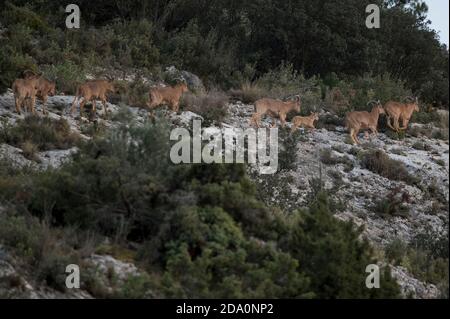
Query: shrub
x=326, y=157
x=425, y=117
x=43, y=132
x=200, y=231
x=398, y=136
x=30, y=150
x=428, y=258
x=285, y=81
x=23, y=235
x=440, y=134
x=12, y=63
x=317, y=238
x=393, y=204
x=425, y=256
x=380, y=163
x=395, y=251
x=421, y=146
x=248, y=93
x=281, y=83
x=67, y=75
x=212, y=106
x=288, y=146
x=135, y=94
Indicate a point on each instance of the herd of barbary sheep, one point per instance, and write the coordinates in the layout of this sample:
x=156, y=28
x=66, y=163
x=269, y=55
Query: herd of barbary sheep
x=33, y=86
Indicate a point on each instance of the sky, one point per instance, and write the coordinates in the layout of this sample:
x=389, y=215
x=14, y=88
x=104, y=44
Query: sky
x=438, y=15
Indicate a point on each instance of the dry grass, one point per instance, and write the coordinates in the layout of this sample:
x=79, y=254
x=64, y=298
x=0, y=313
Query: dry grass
x=212, y=106
x=379, y=162
x=248, y=93
x=40, y=133
x=30, y=150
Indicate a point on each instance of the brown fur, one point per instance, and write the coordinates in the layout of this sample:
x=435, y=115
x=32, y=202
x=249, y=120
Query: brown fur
x=397, y=112
x=355, y=121
x=274, y=109
x=166, y=95
x=305, y=121
x=24, y=89
x=90, y=91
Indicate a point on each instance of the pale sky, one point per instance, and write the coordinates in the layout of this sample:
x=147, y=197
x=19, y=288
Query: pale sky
x=438, y=15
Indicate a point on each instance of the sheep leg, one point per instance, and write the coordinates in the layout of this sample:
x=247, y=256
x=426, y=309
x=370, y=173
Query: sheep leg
x=32, y=104
x=18, y=102
x=405, y=123
x=283, y=119
x=274, y=122
x=355, y=134
x=389, y=123
x=352, y=136
x=72, y=109
x=44, y=101
x=104, y=106
x=396, y=125
x=374, y=131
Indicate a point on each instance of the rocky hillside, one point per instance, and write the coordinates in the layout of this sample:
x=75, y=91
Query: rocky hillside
x=397, y=189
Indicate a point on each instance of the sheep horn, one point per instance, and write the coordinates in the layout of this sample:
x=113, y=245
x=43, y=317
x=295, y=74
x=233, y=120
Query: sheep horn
x=373, y=102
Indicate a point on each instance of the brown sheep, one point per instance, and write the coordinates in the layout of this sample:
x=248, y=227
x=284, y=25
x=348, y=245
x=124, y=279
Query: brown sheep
x=355, y=121
x=275, y=109
x=92, y=90
x=167, y=95
x=304, y=121
x=24, y=89
x=44, y=88
x=397, y=112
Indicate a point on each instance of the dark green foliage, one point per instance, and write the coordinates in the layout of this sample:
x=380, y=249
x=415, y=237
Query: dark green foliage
x=43, y=132
x=67, y=76
x=426, y=257
x=287, y=148
x=200, y=230
x=229, y=44
x=317, y=238
x=38, y=246
x=395, y=251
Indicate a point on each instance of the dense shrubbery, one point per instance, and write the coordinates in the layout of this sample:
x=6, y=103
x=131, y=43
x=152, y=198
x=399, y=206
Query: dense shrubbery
x=229, y=46
x=200, y=230
x=35, y=133
x=426, y=257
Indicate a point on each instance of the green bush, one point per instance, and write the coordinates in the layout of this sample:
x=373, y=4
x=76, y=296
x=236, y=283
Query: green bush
x=67, y=76
x=43, y=132
x=288, y=146
x=200, y=229
x=247, y=93
x=394, y=204
x=317, y=238
x=12, y=64
x=396, y=251
x=425, y=256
